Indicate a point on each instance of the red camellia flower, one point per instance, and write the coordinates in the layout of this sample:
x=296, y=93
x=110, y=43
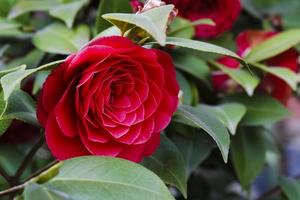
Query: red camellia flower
x=112, y=98
x=223, y=12
x=270, y=84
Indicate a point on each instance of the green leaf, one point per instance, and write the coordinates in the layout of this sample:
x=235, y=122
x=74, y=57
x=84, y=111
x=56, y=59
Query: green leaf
x=274, y=46
x=201, y=46
x=183, y=28
x=229, y=114
x=167, y=162
x=187, y=96
x=11, y=81
x=153, y=21
x=248, y=153
x=25, y=6
x=68, y=11
x=8, y=24
x=194, y=149
x=194, y=66
x=290, y=187
x=20, y=106
x=110, y=6
x=31, y=60
x=199, y=118
x=248, y=81
x=62, y=39
x=7, y=71
x=101, y=178
x=261, y=109
x=285, y=74
x=4, y=125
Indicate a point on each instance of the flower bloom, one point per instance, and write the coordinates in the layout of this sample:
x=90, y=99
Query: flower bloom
x=270, y=83
x=112, y=98
x=223, y=12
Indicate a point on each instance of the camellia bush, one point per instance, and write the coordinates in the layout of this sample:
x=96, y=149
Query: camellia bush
x=147, y=100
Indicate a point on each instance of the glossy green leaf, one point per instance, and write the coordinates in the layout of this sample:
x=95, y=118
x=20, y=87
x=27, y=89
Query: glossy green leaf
x=248, y=81
x=153, y=21
x=201, y=46
x=285, y=74
x=110, y=6
x=261, y=109
x=195, y=149
x=101, y=178
x=167, y=162
x=248, y=153
x=194, y=66
x=63, y=40
x=274, y=46
x=229, y=114
x=12, y=81
x=199, y=118
x=68, y=11
x=290, y=187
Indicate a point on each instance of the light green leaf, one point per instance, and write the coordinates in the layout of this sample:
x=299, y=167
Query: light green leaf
x=25, y=6
x=31, y=60
x=7, y=71
x=274, y=46
x=290, y=187
x=285, y=74
x=229, y=114
x=248, y=153
x=110, y=6
x=62, y=40
x=194, y=66
x=153, y=21
x=101, y=178
x=11, y=81
x=4, y=125
x=167, y=162
x=261, y=109
x=201, y=46
x=195, y=149
x=199, y=118
x=183, y=28
x=248, y=81
x=68, y=11
x=8, y=24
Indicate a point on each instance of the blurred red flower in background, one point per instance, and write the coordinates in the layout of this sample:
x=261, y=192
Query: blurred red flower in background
x=223, y=12
x=270, y=84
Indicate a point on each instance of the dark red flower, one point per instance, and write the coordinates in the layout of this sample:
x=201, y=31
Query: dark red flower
x=112, y=98
x=223, y=12
x=270, y=84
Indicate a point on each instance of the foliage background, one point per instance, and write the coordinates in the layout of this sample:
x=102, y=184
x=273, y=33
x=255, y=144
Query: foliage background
x=263, y=161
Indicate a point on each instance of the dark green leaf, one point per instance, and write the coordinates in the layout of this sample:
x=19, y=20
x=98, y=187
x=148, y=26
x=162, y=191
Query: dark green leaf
x=199, y=118
x=194, y=149
x=167, y=162
x=110, y=6
x=229, y=114
x=194, y=66
x=187, y=96
x=290, y=187
x=261, y=109
x=248, y=153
